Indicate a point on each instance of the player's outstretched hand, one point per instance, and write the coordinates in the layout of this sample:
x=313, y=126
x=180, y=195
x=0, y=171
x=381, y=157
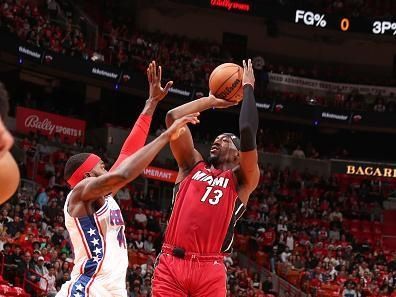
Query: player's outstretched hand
x=248, y=73
x=6, y=140
x=220, y=103
x=178, y=126
x=154, y=76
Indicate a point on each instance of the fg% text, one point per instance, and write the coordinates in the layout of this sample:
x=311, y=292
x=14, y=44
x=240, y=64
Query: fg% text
x=310, y=18
x=382, y=27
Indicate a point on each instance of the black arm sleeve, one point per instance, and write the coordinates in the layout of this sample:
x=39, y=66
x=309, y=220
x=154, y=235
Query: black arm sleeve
x=248, y=120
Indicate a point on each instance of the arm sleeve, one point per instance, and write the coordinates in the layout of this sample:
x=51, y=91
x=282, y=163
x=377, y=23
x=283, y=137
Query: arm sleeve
x=135, y=140
x=248, y=120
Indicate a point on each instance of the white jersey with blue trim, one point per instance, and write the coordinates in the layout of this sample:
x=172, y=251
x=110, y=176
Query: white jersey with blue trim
x=100, y=251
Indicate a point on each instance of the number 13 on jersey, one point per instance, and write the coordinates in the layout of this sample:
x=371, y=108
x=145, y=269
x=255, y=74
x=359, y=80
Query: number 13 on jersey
x=217, y=194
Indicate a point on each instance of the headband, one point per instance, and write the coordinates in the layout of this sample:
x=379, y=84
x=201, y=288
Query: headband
x=85, y=167
x=235, y=140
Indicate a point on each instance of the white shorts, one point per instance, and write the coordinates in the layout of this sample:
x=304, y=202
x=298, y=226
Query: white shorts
x=96, y=289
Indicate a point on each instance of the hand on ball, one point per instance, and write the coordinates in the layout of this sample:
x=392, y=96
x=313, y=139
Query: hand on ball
x=221, y=103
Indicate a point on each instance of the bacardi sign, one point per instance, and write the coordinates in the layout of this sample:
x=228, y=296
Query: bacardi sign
x=363, y=169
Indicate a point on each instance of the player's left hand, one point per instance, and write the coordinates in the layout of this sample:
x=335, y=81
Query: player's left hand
x=154, y=76
x=178, y=127
x=248, y=73
x=6, y=140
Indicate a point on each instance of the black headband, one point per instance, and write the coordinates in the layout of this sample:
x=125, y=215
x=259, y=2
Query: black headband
x=234, y=139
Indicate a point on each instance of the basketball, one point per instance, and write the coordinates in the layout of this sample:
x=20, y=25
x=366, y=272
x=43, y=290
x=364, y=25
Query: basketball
x=9, y=177
x=225, y=82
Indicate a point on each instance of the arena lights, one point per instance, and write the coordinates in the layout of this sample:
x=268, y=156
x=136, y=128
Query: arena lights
x=230, y=5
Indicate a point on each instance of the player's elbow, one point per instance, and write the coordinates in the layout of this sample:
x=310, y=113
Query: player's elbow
x=170, y=117
x=246, y=130
x=248, y=138
x=120, y=178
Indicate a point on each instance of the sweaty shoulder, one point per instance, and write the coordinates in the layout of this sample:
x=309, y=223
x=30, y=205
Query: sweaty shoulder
x=182, y=176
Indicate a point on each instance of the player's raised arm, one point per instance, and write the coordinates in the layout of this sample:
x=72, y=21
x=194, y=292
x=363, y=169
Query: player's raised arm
x=249, y=173
x=92, y=188
x=138, y=136
x=183, y=147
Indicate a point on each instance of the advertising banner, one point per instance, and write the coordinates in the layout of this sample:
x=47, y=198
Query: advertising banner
x=160, y=174
x=290, y=80
x=49, y=124
x=363, y=169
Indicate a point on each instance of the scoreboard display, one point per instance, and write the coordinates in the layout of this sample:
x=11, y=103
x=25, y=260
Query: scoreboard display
x=346, y=24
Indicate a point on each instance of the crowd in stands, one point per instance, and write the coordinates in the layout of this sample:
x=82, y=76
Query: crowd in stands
x=187, y=62
x=36, y=251
x=34, y=23
x=323, y=235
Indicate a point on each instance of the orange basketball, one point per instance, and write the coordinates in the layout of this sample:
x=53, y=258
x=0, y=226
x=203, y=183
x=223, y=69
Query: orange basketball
x=225, y=82
x=9, y=177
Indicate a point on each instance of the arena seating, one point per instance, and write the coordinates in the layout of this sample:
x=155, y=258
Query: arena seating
x=325, y=229
x=187, y=62
x=318, y=234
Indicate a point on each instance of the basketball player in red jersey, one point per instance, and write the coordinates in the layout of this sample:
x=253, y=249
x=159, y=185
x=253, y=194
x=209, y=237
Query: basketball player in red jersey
x=209, y=198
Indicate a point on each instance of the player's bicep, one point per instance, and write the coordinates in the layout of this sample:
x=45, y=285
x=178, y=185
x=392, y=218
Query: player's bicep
x=249, y=173
x=94, y=188
x=184, y=152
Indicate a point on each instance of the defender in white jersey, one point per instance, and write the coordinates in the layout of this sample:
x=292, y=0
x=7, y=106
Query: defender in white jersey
x=101, y=258
x=92, y=216
x=94, y=219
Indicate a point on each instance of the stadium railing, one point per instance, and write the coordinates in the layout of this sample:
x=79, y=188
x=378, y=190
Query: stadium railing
x=34, y=285
x=280, y=286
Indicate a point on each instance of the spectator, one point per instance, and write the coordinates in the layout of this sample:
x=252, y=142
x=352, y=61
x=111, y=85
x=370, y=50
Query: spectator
x=10, y=265
x=141, y=218
x=40, y=267
x=285, y=255
x=17, y=226
x=61, y=281
x=349, y=290
x=138, y=243
x=379, y=105
x=43, y=197
x=148, y=244
x=47, y=283
x=124, y=197
x=25, y=269
x=290, y=241
x=267, y=285
x=58, y=238
x=298, y=153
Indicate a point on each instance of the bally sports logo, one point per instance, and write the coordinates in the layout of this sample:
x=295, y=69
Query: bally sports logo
x=31, y=120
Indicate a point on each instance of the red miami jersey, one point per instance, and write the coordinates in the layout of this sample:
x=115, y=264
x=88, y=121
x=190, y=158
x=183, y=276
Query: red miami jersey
x=206, y=208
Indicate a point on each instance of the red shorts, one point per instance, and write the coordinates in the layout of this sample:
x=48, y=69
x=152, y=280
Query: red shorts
x=189, y=277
